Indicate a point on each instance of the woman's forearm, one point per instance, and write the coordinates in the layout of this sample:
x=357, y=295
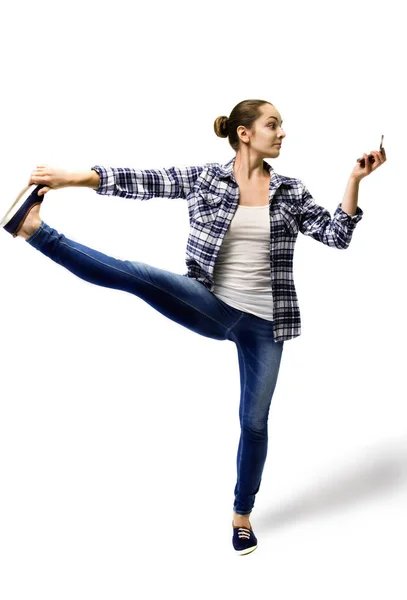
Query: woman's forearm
x=350, y=198
x=85, y=179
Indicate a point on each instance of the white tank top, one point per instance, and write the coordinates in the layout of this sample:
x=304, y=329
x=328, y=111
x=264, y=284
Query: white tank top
x=242, y=268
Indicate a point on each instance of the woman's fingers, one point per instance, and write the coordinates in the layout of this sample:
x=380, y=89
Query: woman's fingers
x=37, y=177
x=34, y=178
x=368, y=164
x=43, y=191
x=379, y=158
x=53, y=177
x=39, y=174
x=382, y=155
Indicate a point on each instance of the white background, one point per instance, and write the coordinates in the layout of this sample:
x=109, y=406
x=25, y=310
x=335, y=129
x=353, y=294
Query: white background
x=118, y=427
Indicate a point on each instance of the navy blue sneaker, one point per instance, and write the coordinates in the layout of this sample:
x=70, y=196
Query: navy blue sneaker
x=244, y=540
x=14, y=217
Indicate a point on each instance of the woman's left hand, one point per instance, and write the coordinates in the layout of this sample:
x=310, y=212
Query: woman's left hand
x=379, y=158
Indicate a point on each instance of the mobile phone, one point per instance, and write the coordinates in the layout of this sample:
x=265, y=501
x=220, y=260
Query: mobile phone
x=370, y=157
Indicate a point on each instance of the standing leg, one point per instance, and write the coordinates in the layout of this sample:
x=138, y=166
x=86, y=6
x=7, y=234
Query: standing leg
x=259, y=362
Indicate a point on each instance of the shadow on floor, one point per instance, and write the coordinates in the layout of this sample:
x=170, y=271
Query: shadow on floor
x=377, y=472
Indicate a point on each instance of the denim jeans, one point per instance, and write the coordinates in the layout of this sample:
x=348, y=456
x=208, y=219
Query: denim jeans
x=189, y=303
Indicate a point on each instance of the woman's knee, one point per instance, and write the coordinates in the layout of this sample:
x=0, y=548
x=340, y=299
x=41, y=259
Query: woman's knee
x=254, y=429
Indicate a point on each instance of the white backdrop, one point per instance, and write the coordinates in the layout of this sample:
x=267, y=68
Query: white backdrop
x=118, y=427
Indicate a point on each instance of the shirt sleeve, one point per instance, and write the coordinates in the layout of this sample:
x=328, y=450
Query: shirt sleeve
x=171, y=182
x=316, y=222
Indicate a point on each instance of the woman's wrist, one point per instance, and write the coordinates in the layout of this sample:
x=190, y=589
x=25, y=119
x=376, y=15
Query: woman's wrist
x=85, y=179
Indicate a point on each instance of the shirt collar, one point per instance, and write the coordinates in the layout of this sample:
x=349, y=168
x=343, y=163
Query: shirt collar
x=226, y=172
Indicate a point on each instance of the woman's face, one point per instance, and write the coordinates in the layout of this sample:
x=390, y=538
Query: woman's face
x=266, y=132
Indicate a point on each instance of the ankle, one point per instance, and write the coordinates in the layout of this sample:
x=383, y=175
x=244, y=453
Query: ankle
x=27, y=231
x=31, y=223
x=241, y=520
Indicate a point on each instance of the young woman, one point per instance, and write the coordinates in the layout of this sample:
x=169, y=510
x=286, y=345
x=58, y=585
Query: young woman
x=244, y=221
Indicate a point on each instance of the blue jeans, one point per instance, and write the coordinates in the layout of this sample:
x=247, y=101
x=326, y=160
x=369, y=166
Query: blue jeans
x=191, y=304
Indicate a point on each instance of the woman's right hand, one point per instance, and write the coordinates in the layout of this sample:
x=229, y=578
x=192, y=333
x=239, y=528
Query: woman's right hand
x=52, y=177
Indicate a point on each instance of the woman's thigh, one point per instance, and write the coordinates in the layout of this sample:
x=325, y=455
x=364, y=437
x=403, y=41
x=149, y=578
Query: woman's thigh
x=259, y=364
x=180, y=298
x=184, y=300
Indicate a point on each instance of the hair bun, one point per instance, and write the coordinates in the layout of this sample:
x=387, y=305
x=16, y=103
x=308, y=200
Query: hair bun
x=221, y=126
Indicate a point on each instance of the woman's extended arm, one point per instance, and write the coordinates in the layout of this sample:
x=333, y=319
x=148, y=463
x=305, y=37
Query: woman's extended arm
x=141, y=184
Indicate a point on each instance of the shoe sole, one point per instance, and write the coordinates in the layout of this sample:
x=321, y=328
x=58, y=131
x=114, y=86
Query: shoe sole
x=242, y=552
x=17, y=204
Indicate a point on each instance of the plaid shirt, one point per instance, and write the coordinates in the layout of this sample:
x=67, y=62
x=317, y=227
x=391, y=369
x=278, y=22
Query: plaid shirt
x=212, y=194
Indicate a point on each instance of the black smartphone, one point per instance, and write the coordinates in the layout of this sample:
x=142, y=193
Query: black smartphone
x=370, y=157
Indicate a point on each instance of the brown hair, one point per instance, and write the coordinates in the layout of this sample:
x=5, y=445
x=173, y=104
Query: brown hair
x=245, y=113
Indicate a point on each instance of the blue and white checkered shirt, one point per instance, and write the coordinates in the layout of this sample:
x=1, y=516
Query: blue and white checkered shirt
x=212, y=194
